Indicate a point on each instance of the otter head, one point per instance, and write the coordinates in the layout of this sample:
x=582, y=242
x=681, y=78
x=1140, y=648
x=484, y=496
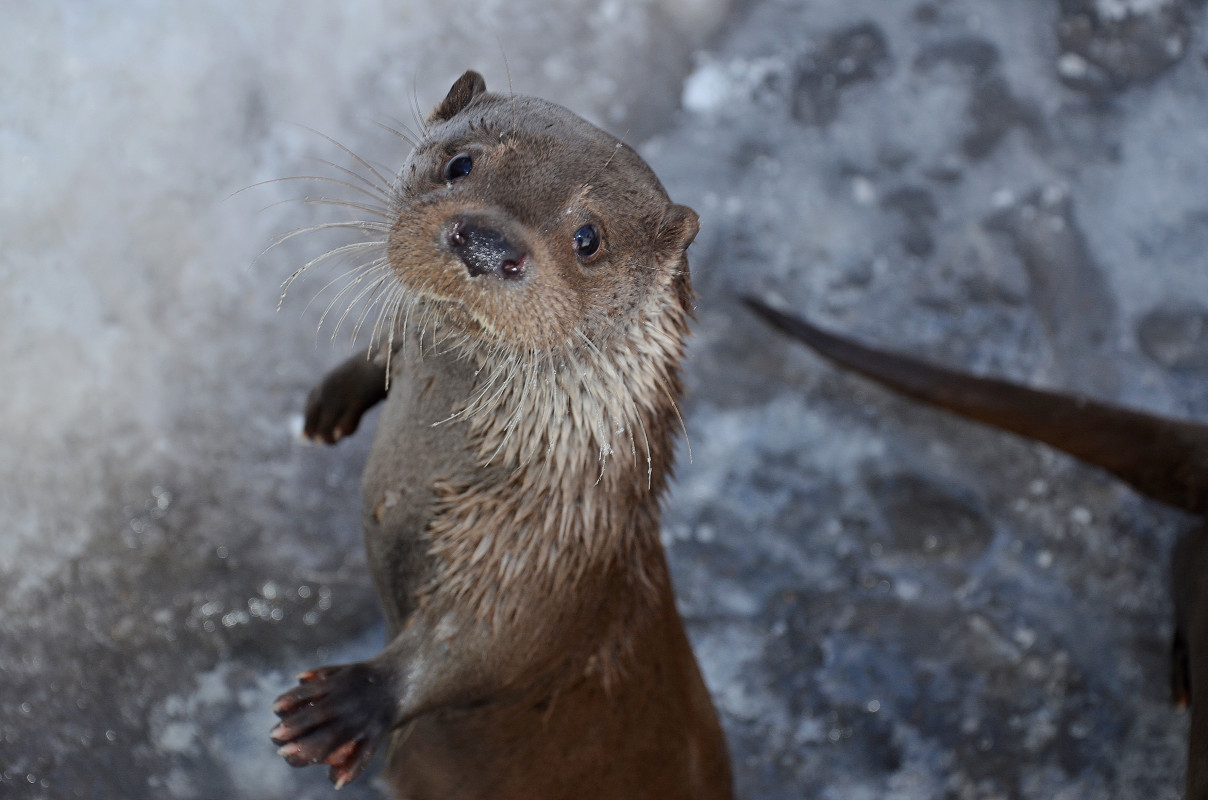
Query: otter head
x=522, y=227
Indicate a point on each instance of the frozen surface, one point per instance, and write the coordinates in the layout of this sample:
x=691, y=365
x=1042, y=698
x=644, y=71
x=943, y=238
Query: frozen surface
x=886, y=602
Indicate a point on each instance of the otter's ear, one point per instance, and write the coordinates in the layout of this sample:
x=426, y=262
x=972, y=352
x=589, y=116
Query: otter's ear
x=677, y=231
x=675, y=234
x=467, y=87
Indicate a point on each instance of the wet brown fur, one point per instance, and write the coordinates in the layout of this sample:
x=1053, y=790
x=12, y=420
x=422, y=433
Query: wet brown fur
x=1164, y=458
x=511, y=498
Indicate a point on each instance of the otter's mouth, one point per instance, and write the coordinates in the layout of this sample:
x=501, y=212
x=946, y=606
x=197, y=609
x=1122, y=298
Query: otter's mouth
x=435, y=314
x=456, y=315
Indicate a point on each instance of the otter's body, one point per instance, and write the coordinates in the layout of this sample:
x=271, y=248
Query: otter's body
x=595, y=690
x=511, y=498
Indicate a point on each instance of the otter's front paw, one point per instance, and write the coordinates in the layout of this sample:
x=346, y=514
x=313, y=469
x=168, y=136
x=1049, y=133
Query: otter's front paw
x=334, y=408
x=336, y=716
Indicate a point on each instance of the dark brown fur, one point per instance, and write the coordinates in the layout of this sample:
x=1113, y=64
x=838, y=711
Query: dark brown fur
x=511, y=499
x=1164, y=458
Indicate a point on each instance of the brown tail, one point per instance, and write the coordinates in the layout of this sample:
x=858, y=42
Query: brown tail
x=1164, y=458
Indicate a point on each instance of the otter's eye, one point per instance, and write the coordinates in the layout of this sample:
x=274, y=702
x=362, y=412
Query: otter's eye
x=458, y=166
x=587, y=241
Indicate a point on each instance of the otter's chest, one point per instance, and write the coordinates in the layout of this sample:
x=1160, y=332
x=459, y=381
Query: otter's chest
x=419, y=443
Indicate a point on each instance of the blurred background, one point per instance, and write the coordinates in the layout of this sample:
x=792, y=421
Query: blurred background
x=887, y=603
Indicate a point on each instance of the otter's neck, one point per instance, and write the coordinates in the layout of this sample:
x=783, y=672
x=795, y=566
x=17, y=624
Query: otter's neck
x=575, y=450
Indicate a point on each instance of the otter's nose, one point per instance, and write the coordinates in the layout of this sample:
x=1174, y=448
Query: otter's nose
x=484, y=250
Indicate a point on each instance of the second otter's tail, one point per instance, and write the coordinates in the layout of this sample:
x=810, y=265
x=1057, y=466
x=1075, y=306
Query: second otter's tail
x=1164, y=458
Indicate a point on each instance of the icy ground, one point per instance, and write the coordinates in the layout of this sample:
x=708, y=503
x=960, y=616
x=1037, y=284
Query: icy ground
x=886, y=602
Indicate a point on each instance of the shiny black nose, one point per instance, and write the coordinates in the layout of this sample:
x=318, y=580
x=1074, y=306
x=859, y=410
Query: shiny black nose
x=484, y=250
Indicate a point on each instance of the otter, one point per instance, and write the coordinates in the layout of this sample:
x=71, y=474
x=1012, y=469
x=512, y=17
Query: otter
x=1166, y=459
x=540, y=299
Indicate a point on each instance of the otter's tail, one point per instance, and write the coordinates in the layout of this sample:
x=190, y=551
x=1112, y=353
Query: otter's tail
x=1164, y=458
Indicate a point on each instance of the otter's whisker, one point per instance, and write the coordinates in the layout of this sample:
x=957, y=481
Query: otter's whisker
x=342, y=250
x=390, y=343
x=356, y=273
x=385, y=311
x=407, y=315
x=373, y=192
x=382, y=180
x=513, y=365
x=507, y=68
x=409, y=136
x=380, y=192
x=357, y=279
x=372, y=211
x=417, y=111
x=361, y=226
x=377, y=300
x=289, y=283
x=649, y=462
x=678, y=415
x=368, y=292
x=344, y=290
x=476, y=403
x=381, y=302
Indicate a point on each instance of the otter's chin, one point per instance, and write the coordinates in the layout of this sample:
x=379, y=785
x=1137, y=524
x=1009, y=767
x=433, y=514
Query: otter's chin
x=452, y=321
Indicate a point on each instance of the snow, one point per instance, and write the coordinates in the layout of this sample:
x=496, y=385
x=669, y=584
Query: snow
x=886, y=602
x=1122, y=9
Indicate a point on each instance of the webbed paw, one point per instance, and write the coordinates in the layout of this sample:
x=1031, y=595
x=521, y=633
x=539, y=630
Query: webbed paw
x=335, y=716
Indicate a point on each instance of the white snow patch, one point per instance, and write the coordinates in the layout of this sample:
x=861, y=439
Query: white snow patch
x=1116, y=10
x=714, y=85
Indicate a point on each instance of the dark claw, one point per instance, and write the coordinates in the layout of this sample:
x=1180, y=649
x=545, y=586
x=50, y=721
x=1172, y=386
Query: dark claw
x=318, y=743
x=348, y=762
x=298, y=696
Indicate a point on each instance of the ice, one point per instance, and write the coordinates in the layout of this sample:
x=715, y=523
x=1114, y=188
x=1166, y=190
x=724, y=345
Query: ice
x=886, y=602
